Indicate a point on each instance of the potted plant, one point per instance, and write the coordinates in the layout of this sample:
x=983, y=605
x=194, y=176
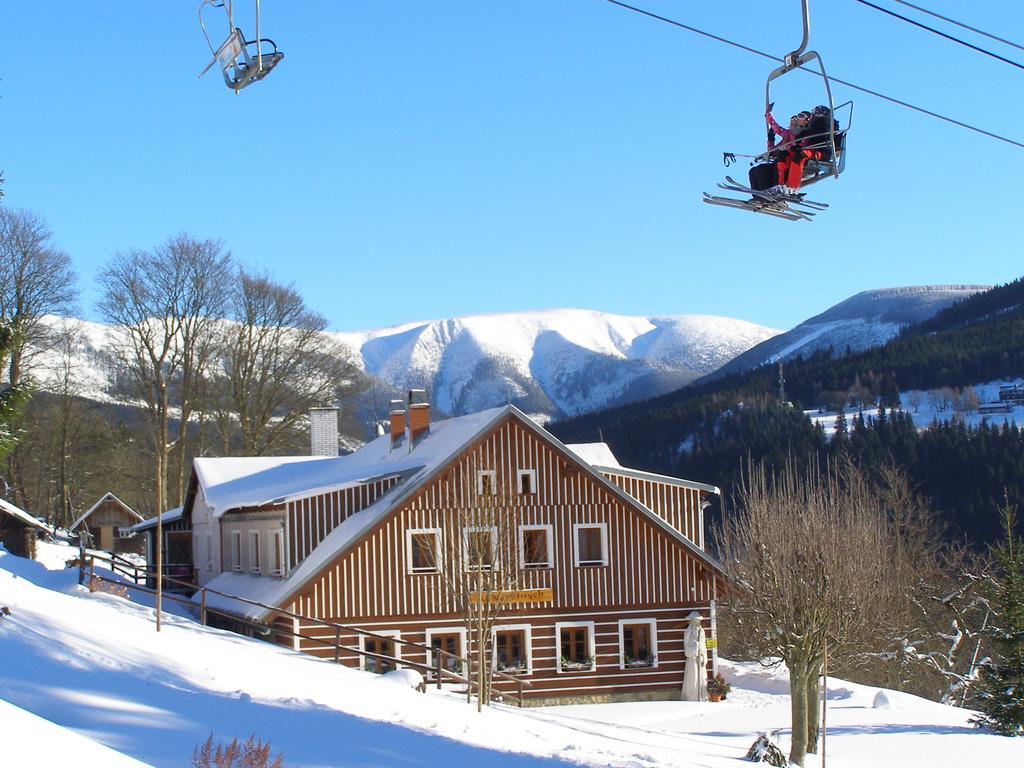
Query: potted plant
x=569, y=665
x=639, y=661
x=718, y=688
x=514, y=667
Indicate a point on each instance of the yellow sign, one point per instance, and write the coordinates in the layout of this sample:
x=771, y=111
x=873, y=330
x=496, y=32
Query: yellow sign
x=711, y=643
x=511, y=597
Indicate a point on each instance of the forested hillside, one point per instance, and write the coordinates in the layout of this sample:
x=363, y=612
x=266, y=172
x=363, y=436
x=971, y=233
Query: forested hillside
x=705, y=432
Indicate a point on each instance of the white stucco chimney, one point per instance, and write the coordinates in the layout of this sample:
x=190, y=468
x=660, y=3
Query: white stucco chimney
x=323, y=431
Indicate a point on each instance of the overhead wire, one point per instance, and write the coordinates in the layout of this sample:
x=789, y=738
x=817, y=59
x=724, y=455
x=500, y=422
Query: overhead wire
x=862, y=89
x=940, y=33
x=960, y=24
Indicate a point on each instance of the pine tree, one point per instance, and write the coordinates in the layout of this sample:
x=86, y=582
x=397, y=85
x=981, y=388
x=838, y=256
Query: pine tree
x=1001, y=681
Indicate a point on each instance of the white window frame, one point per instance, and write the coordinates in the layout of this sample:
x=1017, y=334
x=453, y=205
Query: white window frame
x=493, y=529
x=236, y=550
x=527, y=630
x=255, y=566
x=429, y=635
x=652, y=625
x=576, y=528
x=396, y=634
x=277, y=543
x=591, y=646
x=526, y=473
x=489, y=473
x=410, y=549
x=550, y=545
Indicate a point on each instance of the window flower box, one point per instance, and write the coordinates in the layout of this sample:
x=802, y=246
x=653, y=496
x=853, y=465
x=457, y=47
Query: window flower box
x=583, y=665
x=640, y=662
x=517, y=667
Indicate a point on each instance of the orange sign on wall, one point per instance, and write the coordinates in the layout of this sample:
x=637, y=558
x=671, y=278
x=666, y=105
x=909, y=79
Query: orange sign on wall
x=511, y=597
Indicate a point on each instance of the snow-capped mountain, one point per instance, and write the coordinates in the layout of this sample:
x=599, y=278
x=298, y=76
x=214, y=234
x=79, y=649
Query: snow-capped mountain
x=864, y=320
x=557, y=362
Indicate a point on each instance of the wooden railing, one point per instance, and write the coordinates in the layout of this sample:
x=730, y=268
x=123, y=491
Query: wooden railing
x=436, y=673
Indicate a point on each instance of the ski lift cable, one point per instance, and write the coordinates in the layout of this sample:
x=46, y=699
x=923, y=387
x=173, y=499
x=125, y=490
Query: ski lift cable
x=862, y=89
x=960, y=24
x=940, y=33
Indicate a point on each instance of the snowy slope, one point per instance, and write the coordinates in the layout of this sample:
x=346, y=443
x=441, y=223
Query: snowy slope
x=865, y=320
x=92, y=663
x=564, y=361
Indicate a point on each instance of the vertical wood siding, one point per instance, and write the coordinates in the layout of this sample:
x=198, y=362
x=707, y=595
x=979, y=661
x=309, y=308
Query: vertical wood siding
x=646, y=567
x=678, y=506
x=312, y=518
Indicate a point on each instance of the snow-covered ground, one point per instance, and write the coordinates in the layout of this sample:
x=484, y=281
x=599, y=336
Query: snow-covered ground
x=93, y=666
x=924, y=412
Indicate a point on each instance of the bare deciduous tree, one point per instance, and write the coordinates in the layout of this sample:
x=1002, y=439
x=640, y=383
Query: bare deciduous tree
x=815, y=559
x=276, y=362
x=163, y=303
x=480, y=566
x=36, y=279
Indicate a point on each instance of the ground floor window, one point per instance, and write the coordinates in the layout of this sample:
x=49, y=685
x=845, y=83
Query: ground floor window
x=638, y=642
x=382, y=646
x=512, y=649
x=576, y=646
x=451, y=642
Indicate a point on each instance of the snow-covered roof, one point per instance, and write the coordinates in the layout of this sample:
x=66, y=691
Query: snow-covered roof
x=21, y=514
x=251, y=482
x=104, y=497
x=617, y=469
x=427, y=458
x=595, y=454
x=167, y=517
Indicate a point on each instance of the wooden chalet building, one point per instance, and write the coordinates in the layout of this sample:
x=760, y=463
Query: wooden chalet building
x=19, y=530
x=610, y=560
x=109, y=523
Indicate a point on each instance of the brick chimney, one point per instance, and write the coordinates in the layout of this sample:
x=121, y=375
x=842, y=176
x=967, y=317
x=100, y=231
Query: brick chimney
x=323, y=431
x=419, y=414
x=397, y=422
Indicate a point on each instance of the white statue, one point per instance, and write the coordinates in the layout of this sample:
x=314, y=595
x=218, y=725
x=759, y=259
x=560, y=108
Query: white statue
x=695, y=679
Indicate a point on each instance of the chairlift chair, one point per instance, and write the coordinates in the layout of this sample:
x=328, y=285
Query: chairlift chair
x=242, y=62
x=831, y=145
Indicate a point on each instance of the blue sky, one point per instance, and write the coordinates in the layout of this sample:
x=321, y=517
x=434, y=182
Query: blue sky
x=413, y=160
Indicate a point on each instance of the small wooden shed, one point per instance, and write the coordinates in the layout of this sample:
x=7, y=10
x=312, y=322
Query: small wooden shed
x=19, y=530
x=109, y=523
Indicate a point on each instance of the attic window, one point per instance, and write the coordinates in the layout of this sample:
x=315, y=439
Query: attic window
x=486, y=482
x=526, y=480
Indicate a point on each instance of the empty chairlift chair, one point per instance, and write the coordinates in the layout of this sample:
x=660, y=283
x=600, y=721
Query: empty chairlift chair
x=241, y=62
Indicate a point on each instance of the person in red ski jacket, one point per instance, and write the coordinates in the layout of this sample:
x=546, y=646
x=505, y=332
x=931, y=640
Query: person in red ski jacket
x=791, y=164
x=765, y=175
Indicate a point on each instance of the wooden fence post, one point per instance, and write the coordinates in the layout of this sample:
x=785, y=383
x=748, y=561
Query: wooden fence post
x=437, y=667
x=92, y=567
x=202, y=606
x=520, y=683
x=81, y=559
x=337, y=646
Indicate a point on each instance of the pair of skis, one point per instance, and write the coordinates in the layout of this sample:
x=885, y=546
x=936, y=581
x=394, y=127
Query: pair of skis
x=770, y=203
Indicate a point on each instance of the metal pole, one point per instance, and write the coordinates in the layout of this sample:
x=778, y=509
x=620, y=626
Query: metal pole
x=824, y=702
x=159, y=564
x=259, y=48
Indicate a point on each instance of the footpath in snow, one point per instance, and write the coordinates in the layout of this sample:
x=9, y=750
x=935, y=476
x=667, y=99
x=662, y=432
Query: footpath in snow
x=93, y=666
